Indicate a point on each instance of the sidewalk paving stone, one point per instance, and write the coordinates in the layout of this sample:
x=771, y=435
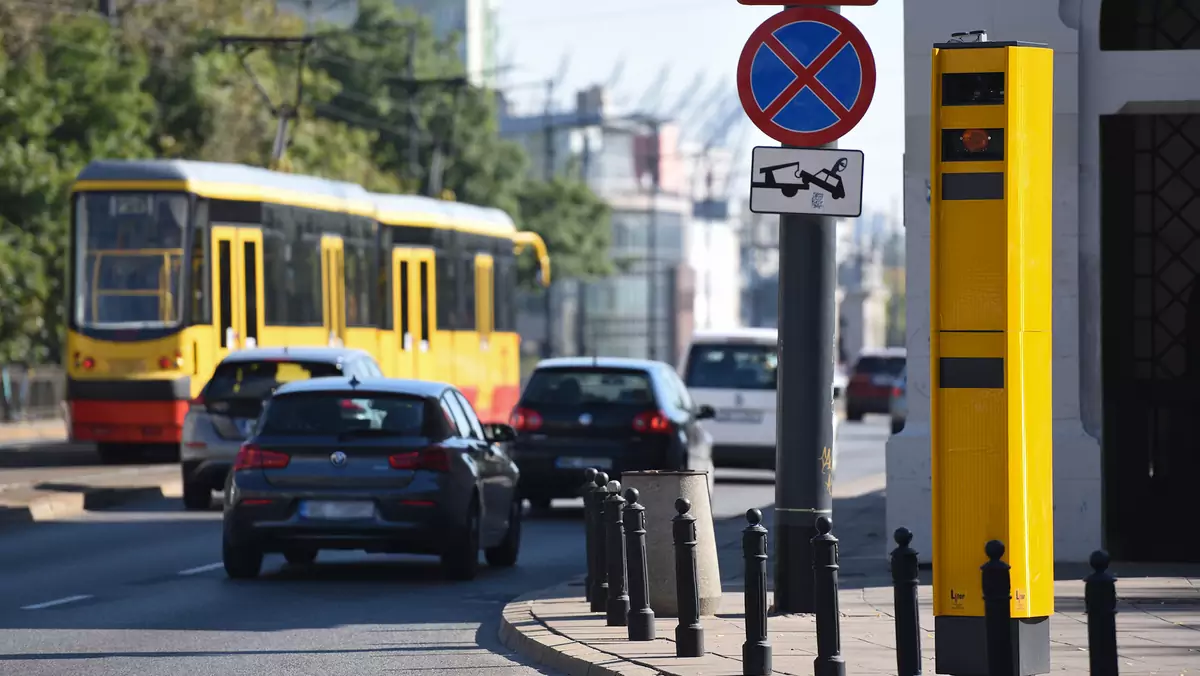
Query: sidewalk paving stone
x=1158, y=622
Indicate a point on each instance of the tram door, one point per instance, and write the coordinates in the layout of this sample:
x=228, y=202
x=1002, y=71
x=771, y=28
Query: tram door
x=333, y=283
x=236, y=278
x=414, y=296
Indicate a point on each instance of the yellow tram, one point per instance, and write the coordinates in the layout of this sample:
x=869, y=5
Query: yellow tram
x=173, y=264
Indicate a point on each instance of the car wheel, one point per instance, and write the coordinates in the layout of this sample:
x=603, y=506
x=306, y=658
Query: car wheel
x=300, y=557
x=897, y=426
x=196, y=495
x=505, y=554
x=540, y=504
x=242, y=562
x=461, y=560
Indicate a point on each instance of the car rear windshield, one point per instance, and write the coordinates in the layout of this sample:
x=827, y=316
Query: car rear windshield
x=335, y=414
x=588, y=386
x=257, y=379
x=889, y=366
x=732, y=367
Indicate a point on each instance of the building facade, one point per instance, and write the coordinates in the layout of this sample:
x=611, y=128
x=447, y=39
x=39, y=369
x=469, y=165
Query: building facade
x=1126, y=260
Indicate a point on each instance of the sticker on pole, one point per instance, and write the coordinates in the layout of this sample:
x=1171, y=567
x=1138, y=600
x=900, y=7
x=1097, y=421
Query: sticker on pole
x=806, y=76
x=821, y=181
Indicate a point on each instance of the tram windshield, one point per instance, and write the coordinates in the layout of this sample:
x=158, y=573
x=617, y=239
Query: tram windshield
x=129, y=260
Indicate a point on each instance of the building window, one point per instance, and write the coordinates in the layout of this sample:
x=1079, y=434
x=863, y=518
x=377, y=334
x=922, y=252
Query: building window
x=1149, y=25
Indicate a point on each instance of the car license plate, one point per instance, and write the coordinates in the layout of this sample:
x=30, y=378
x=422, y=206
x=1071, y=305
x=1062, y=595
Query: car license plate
x=739, y=416
x=333, y=510
x=583, y=463
x=244, y=425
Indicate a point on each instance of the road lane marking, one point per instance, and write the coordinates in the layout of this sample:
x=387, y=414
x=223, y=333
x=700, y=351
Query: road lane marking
x=201, y=569
x=57, y=602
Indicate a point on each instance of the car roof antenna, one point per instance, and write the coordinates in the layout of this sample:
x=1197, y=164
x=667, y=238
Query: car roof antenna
x=353, y=381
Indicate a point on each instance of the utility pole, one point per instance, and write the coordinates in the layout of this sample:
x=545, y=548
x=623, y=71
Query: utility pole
x=284, y=112
x=413, y=112
x=803, y=460
x=652, y=241
x=549, y=158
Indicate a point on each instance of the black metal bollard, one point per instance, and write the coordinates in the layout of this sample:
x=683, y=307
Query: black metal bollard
x=689, y=634
x=829, y=660
x=756, y=651
x=599, y=561
x=585, y=491
x=617, y=606
x=640, y=619
x=1100, y=597
x=997, y=594
x=906, y=578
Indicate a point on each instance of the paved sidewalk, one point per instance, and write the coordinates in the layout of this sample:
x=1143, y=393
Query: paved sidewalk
x=40, y=430
x=46, y=494
x=1158, y=624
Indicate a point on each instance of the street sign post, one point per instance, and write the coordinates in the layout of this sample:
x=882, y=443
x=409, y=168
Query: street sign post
x=806, y=76
x=806, y=181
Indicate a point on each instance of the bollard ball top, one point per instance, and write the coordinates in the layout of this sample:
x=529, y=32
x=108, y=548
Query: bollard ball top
x=614, y=486
x=753, y=517
x=683, y=506
x=994, y=550
x=631, y=495
x=1099, y=560
x=824, y=525
x=903, y=536
x=589, y=474
x=601, y=479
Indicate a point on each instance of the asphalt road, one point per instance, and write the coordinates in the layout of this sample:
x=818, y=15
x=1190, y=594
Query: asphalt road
x=140, y=590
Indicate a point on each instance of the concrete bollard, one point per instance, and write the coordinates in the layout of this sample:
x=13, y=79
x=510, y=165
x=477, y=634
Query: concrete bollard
x=657, y=492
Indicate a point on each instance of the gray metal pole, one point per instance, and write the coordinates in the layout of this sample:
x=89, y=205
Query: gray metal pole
x=804, y=401
x=652, y=275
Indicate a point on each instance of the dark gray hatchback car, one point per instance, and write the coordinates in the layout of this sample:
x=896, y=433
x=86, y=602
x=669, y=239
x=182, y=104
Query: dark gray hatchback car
x=381, y=465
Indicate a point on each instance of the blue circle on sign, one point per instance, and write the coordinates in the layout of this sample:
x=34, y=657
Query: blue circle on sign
x=806, y=72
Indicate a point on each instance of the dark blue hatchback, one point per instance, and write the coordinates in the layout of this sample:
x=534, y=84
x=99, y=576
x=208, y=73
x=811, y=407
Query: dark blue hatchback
x=379, y=465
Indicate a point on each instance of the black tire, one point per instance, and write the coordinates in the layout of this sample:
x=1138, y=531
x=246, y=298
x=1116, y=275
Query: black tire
x=300, y=557
x=540, y=504
x=196, y=495
x=460, y=561
x=853, y=414
x=897, y=426
x=505, y=554
x=242, y=562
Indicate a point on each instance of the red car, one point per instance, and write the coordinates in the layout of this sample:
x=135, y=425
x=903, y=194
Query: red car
x=871, y=380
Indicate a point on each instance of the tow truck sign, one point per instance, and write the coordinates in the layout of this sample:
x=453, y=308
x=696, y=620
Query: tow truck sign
x=825, y=182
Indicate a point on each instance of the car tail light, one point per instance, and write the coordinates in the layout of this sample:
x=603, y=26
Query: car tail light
x=526, y=420
x=252, y=457
x=432, y=459
x=897, y=392
x=88, y=363
x=652, y=422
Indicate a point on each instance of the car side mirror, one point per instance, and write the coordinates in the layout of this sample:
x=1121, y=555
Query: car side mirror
x=499, y=433
x=705, y=412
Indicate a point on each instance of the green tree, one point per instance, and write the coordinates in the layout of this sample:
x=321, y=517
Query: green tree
x=69, y=91
x=575, y=224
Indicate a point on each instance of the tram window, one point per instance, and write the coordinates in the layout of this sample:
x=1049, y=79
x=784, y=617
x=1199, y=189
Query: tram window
x=292, y=264
x=447, y=292
x=425, y=300
x=201, y=281
x=466, y=291
x=250, y=257
x=225, y=261
x=404, y=328
x=359, y=310
x=503, y=293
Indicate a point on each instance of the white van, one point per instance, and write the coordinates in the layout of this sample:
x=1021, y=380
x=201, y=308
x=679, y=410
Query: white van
x=734, y=371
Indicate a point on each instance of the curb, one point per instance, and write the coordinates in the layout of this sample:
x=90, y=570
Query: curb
x=72, y=503
x=523, y=633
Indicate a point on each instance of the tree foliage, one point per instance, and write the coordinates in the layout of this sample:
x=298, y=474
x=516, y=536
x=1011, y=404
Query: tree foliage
x=385, y=105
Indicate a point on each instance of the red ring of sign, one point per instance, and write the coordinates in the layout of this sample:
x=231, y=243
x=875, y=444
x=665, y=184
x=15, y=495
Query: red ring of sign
x=844, y=124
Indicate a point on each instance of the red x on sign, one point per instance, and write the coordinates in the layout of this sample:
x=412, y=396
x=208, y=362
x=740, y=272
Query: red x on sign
x=806, y=76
